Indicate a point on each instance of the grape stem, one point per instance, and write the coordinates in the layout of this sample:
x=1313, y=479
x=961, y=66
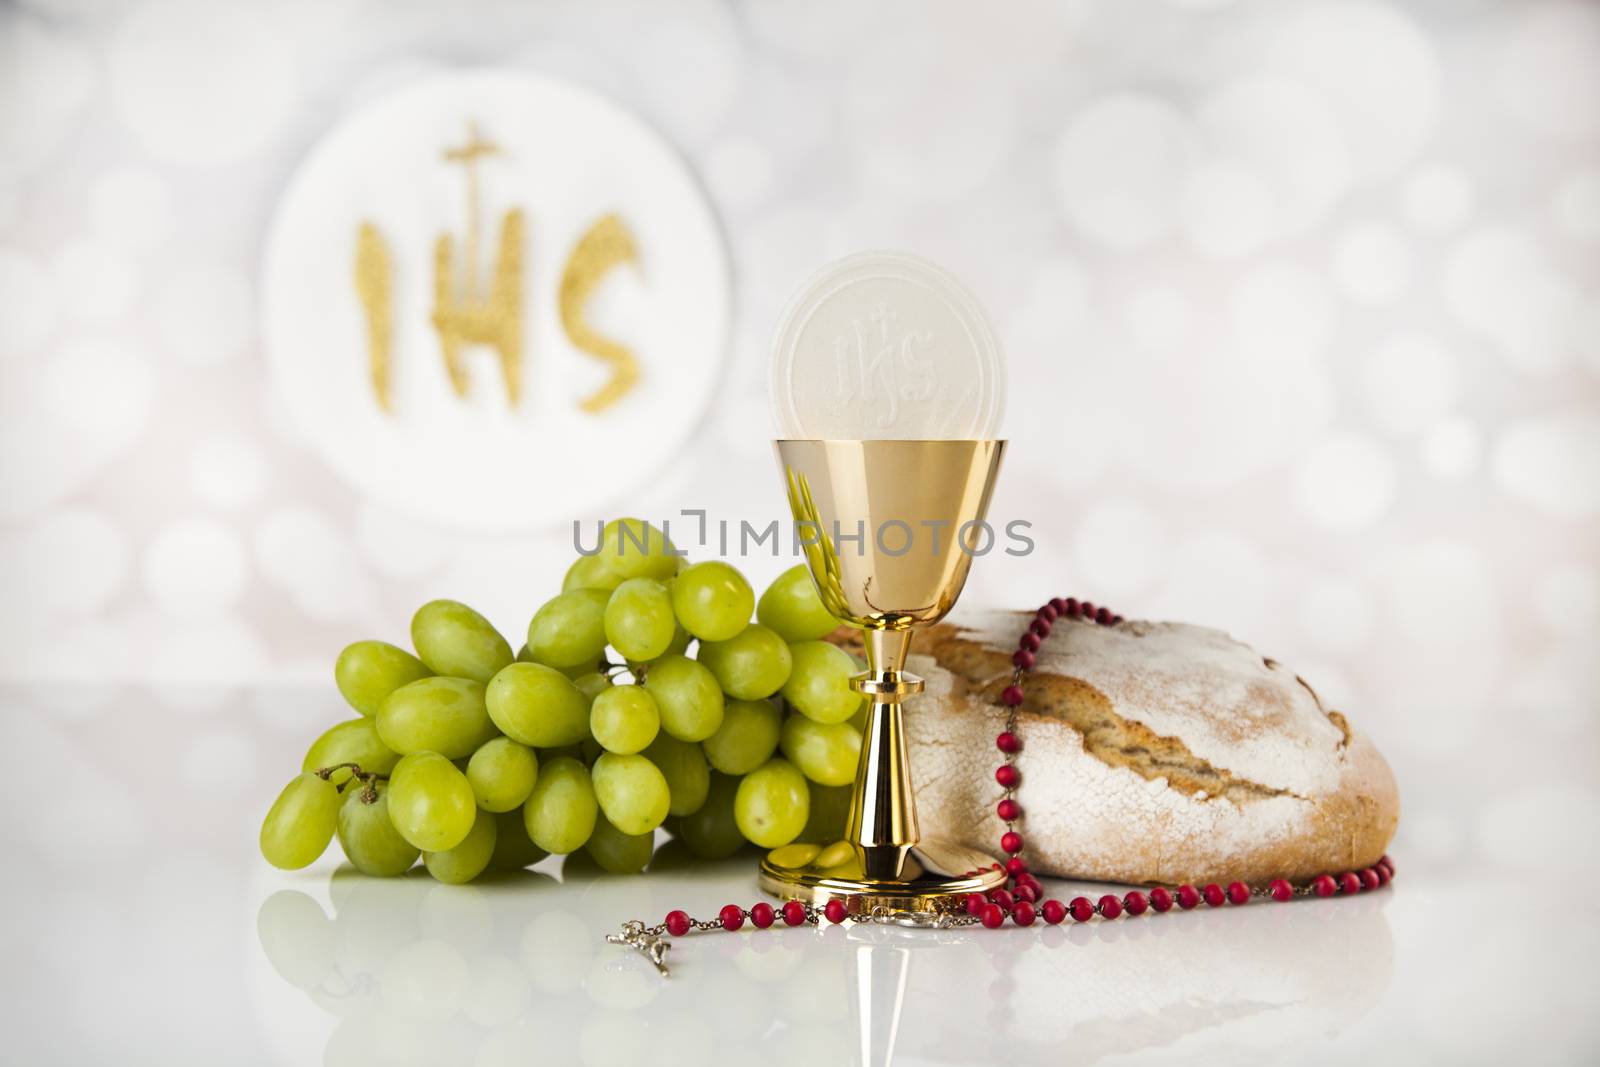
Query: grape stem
x=612, y=669
x=368, y=779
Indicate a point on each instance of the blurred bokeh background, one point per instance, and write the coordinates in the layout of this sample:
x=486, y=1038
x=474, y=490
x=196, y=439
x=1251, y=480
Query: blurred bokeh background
x=1301, y=302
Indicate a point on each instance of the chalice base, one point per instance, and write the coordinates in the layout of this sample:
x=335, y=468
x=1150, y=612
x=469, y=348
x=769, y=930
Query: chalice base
x=935, y=876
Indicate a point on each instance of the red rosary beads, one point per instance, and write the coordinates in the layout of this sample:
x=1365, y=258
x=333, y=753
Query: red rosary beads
x=1022, y=900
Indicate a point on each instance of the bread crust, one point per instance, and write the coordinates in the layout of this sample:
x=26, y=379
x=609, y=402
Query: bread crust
x=1153, y=753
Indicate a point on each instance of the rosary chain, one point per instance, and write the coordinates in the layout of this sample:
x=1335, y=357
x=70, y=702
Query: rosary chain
x=992, y=909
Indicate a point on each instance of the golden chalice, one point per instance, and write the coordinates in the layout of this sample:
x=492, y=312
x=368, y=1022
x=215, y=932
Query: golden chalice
x=917, y=506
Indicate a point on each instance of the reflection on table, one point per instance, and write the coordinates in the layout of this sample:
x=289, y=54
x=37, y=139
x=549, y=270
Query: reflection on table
x=515, y=970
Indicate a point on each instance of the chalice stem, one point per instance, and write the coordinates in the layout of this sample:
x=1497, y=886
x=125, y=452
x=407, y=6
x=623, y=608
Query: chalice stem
x=883, y=810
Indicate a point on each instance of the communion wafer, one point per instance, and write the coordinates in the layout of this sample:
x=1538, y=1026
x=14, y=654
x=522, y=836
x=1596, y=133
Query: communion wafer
x=884, y=345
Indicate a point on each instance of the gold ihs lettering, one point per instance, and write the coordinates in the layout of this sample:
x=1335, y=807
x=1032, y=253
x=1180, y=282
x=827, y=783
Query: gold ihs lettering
x=463, y=314
x=374, y=274
x=607, y=244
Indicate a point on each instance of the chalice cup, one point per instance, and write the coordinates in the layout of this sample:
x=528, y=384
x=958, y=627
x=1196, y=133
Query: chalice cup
x=890, y=529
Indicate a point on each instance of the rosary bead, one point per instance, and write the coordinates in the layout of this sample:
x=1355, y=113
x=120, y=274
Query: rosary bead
x=1007, y=776
x=761, y=915
x=975, y=903
x=1382, y=873
x=1387, y=862
x=1369, y=878
x=1213, y=894
x=1116, y=620
x=1029, y=642
x=1135, y=903
x=1022, y=914
x=677, y=923
x=1080, y=909
x=1060, y=605
x=1054, y=911
x=1040, y=627
x=1025, y=894
x=794, y=913
x=1086, y=609
x=1188, y=897
x=1110, y=906
x=1103, y=616
x=1161, y=899
x=1011, y=695
x=1281, y=890
x=1008, y=810
x=1022, y=658
x=1238, y=893
x=993, y=916
x=732, y=916
x=1324, y=885
x=1008, y=742
x=1350, y=882
x=835, y=911
x=1049, y=613
x=1011, y=842
x=1070, y=606
x=1016, y=867
x=1003, y=898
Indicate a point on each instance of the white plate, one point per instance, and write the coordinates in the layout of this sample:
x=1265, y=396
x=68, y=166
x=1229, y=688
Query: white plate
x=568, y=158
x=885, y=345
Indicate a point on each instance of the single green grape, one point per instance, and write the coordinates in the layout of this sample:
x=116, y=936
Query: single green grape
x=819, y=683
x=537, y=705
x=502, y=773
x=368, y=671
x=751, y=665
x=680, y=641
x=590, y=572
x=633, y=548
x=560, y=813
x=443, y=715
x=431, y=802
x=684, y=766
x=469, y=858
x=592, y=685
x=570, y=630
x=632, y=792
x=638, y=619
x=351, y=741
x=792, y=608
x=687, y=695
x=747, y=737
x=830, y=811
x=712, y=832
x=617, y=852
x=368, y=837
x=624, y=719
x=772, y=804
x=456, y=641
x=300, y=822
x=712, y=600
x=513, y=848
x=826, y=753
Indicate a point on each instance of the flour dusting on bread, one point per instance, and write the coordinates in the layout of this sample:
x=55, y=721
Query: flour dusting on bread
x=1153, y=752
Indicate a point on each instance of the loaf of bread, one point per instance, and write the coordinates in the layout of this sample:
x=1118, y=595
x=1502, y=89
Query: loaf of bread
x=1152, y=752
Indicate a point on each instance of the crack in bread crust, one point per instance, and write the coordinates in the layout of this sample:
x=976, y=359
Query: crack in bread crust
x=1107, y=736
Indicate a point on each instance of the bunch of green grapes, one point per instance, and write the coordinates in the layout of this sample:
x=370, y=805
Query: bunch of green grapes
x=644, y=697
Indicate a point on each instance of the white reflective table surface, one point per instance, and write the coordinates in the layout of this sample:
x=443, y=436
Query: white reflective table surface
x=142, y=927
